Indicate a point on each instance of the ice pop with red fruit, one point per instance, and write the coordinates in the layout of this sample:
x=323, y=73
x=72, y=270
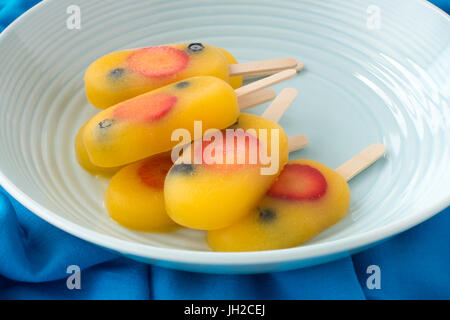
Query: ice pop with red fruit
x=214, y=193
x=245, y=102
x=122, y=75
x=306, y=198
x=135, y=197
x=142, y=126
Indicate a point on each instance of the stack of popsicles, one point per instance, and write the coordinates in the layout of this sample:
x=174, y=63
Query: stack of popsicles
x=215, y=183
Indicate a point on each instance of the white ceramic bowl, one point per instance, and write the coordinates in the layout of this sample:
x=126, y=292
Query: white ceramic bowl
x=376, y=70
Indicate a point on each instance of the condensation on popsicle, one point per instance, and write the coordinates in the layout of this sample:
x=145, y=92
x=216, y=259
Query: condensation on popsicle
x=212, y=196
x=122, y=75
x=306, y=198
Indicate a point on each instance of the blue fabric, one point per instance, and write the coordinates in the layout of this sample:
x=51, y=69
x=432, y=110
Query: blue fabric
x=34, y=257
x=443, y=4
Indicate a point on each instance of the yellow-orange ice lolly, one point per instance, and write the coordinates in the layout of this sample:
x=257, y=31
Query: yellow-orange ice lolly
x=122, y=75
x=135, y=197
x=245, y=102
x=306, y=198
x=212, y=194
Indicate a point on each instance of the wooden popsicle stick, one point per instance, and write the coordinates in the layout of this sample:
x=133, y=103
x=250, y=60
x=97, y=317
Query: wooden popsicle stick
x=256, y=98
x=279, y=106
x=298, y=67
x=361, y=161
x=297, y=142
x=271, y=66
x=265, y=82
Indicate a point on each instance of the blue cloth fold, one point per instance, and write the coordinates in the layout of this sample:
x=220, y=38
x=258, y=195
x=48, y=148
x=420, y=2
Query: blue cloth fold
x=34, y=257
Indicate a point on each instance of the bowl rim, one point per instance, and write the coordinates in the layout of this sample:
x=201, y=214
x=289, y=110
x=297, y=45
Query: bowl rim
x=224, y=258
x=210, y=258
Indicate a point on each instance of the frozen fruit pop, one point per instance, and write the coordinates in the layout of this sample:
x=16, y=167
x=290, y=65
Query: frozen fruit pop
x=135, y=195
x=245, y=102
x=143, y=126
x=122, y=75
x=255, y=69
x=210, y=195
x=306, y=198
x=135, y=198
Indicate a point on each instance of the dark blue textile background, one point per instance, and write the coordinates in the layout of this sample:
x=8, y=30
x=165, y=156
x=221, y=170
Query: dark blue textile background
x=34, y=256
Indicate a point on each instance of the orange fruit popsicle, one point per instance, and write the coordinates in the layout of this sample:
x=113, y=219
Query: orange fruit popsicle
x=306, y=198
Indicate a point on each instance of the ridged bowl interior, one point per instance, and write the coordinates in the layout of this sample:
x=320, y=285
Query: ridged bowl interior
x=360, y=85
